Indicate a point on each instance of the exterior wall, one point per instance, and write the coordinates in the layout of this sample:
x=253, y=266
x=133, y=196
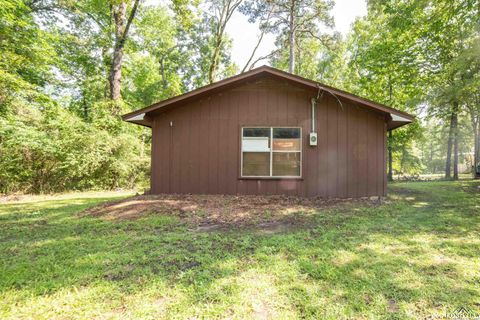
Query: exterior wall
x=200, y=152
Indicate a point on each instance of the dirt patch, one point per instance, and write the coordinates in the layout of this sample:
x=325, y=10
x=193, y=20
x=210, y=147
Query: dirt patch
x=393, y=306
x=11, y=198
x=213, y=212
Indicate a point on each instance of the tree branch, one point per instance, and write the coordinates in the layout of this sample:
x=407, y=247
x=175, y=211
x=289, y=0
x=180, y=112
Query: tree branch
x=253, y=52
x=264, y=30
x=123, y=38
x=271, y=54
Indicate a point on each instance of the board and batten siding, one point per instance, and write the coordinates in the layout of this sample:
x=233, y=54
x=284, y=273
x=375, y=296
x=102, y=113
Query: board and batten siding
x=196, y=146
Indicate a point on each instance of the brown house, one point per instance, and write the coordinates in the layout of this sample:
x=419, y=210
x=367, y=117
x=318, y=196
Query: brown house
x=269, y=132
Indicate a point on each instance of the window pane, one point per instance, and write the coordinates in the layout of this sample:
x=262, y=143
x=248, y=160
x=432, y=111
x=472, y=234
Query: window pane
x=256, y=164
x=256, y=144
x=286, y=133
x=286, y=144
x=286, y=164
x=286, y=139
x=256, y=132
x=256, y=139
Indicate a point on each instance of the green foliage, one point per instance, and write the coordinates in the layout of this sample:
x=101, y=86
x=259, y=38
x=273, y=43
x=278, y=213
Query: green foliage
x=56, y=130
x=382, y=68
x=157, y=60
x=53, y=150
x=26, y=56
x=417, y=56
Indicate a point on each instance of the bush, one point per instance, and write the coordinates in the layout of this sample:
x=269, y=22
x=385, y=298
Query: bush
x=54, y=150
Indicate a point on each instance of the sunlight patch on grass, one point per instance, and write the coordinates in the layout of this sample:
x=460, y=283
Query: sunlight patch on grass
x=343, y=257
x=360, y=273
x=408, y=279
x=385, y=246
x=50, y=242
x=259, y=297
x=420, y=204
x=80, y=302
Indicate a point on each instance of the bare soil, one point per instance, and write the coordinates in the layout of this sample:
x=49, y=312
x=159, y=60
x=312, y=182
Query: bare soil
x=211, y=212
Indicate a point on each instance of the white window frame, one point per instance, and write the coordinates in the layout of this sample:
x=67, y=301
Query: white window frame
x=271, y=151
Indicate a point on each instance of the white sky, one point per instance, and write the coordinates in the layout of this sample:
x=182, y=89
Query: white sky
x=244, y=34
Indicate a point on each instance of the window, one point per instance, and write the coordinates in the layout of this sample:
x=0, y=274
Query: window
x=271, y=152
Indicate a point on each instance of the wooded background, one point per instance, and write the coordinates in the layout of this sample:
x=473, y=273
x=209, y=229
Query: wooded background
x=69, y=69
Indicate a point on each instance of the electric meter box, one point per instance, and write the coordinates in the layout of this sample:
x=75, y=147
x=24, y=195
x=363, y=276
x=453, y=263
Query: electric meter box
x=313, y=138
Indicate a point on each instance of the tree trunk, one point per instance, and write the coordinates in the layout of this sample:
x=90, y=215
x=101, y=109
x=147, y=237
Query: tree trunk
x=106, y=69
x=291, y=41
x=259, y=41
x=455, y=140
x=119, y=15
x=226, y=12
x=476, y=158
x=116, y=74
x=475, y=118
x=214, y=63
x=390, y=156
x=390, y=135
x=162, y=73
x=430, y=159
x=448, y=164
x=122, y=25
x=212, y=70
x=455, y=155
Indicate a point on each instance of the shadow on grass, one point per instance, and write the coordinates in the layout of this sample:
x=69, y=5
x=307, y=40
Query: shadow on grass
x=381, y=261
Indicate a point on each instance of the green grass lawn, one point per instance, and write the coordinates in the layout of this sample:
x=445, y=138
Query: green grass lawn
x=416, y=256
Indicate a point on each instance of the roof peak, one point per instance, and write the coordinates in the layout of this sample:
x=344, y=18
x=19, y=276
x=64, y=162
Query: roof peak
x=398, y=117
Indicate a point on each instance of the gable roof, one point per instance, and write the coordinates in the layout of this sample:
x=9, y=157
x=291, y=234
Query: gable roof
x=142, y=116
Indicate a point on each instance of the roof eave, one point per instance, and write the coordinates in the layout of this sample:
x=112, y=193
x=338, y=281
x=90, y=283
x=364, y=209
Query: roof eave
x=140, y=119
x=396, y=121
x=392, y=125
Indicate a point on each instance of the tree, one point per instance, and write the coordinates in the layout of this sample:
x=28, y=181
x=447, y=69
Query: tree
x=50, y=74
x=448, y=29
x=223, y=11
x=471, y=95
x=250, y=64
x=27, y=55
x=154, y=69
x=474, y=110
x=382, y=67
x=292, y=21
x=436, y=34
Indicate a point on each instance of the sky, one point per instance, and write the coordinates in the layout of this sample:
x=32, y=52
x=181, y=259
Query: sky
x=244, y=34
